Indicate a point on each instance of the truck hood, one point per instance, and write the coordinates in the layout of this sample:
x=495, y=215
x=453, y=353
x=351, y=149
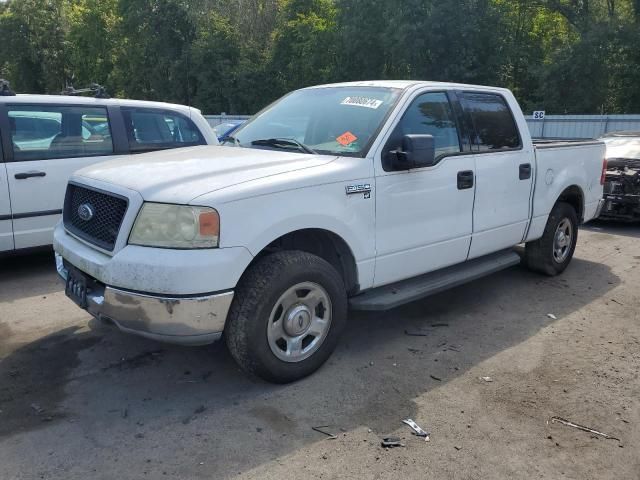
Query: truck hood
x=178, y=176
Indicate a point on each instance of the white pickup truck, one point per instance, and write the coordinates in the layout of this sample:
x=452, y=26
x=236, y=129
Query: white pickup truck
x=359, y=195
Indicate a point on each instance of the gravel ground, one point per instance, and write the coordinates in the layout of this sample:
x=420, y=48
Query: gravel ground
x=80, y=400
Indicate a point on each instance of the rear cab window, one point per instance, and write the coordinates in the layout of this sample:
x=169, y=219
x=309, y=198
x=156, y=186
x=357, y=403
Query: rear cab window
x=46, y=132
x=494, y=127
x=151, y=129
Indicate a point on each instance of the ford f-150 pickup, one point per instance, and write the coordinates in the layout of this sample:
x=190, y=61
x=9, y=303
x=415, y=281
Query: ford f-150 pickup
x=362, y=195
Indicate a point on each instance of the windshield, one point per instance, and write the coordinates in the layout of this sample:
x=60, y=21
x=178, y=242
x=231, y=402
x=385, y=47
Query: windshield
x=619, y=147
x=326, y=120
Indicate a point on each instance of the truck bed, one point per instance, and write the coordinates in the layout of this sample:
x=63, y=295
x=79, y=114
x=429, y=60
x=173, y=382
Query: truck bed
x=541, y=143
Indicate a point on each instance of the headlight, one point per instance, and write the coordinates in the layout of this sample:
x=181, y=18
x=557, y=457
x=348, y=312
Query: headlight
x=176, y=226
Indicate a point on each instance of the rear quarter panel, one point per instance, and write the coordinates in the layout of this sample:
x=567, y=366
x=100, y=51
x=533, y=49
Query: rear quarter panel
x=561, y=167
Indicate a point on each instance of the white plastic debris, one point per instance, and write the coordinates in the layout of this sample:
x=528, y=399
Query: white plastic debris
x=417, y=429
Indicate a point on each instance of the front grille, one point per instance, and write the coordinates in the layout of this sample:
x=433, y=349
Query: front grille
x=102, y=225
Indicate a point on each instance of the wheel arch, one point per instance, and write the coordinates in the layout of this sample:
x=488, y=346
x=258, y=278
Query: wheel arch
x=323, y=243
x=574, y=196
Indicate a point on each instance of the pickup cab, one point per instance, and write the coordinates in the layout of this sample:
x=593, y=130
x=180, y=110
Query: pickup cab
x=358, y=195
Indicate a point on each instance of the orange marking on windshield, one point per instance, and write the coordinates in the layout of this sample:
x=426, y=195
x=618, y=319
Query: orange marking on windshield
x=347, y=138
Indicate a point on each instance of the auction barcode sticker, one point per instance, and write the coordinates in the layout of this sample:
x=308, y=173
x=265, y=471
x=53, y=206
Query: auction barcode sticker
x=362, y=102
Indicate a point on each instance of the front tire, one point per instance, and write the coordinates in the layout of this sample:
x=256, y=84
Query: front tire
x=552, y=253
x=287, y=315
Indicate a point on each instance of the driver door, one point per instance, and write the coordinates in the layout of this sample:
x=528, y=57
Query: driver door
x=424, y=217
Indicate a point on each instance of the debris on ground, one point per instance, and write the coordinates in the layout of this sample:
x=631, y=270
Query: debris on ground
x=37, y=408
x=616, y=301
x=415, y=333
x=582, y=427
x=436, y=378
x=457, y=447
x=419, y=432
x=391, y=442
x=200, y=409
x=552, y=316
x=319, y=429
x=486, y=379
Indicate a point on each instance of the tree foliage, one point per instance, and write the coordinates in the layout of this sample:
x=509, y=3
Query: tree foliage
x=566, y=56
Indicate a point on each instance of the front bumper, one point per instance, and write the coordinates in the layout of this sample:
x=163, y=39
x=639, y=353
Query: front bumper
x=622, y=207
x=185, y=320
x=599, y=208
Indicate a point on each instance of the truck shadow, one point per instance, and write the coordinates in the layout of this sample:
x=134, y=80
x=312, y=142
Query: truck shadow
x=613, y=228
x=128, y=392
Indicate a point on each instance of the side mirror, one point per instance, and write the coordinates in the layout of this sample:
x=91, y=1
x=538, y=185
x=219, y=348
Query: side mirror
x=418, y=151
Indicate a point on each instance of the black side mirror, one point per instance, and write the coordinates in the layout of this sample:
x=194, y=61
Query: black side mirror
x=418, y=151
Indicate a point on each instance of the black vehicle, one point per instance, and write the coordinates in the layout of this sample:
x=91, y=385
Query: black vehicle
x=622, y=181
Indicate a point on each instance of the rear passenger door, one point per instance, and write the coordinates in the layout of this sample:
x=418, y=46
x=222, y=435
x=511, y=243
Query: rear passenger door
x=150, y=129
x=48, y=143
x=503, y=172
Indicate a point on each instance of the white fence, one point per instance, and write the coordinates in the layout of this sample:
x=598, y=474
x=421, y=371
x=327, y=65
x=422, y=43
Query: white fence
x=581, y=126
x=552, y=126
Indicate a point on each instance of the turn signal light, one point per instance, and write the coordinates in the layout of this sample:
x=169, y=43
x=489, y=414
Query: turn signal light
x=209, y=223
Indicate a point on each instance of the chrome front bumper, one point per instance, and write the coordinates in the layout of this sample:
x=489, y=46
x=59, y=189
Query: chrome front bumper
x=185, y=320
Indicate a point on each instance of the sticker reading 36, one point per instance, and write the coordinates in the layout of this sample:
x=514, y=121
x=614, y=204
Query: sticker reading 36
x=362, y=102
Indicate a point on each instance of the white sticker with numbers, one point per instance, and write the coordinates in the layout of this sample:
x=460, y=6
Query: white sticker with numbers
x=362, y=102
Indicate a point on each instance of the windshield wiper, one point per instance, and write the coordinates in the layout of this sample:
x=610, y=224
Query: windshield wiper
x=284, y=143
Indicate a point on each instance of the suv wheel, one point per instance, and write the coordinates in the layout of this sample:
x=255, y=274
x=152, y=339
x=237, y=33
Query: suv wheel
x=286, y=317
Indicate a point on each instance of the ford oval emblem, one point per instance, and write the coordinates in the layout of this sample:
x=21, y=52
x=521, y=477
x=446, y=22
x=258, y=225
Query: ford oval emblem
x=85, y=212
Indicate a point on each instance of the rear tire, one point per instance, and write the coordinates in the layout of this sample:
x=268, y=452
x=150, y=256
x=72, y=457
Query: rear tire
x=552, y=253
x=286, y=317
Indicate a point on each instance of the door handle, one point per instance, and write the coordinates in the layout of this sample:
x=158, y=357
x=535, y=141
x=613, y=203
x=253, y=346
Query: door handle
x=465, y=179
x=25, y=175
x=525, y=171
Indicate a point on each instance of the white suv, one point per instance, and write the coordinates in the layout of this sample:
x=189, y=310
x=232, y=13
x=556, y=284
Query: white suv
x=45, y=138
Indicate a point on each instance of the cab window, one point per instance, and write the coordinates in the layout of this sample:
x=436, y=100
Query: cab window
x=428, y=114
x=494, y=125
x=50, y=132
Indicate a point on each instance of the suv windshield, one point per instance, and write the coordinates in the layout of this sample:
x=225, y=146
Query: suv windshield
x=326, y=120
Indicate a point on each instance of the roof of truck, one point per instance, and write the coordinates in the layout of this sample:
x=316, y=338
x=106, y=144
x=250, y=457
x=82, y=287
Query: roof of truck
x=403, y=84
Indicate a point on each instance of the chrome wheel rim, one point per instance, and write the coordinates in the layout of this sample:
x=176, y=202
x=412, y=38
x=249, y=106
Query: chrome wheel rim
x=562, y=241
x=299, y=322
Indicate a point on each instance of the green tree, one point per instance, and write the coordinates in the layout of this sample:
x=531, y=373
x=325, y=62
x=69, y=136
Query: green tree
x=33, y=54
x=304, y=43
x=154, y=62
x=95, y=41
